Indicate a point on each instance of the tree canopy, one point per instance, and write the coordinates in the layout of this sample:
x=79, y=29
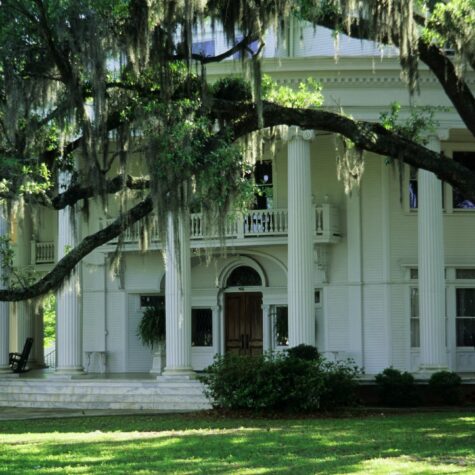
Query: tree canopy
x=87, y=84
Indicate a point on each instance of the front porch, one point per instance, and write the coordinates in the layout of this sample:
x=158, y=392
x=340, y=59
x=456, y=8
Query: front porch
x=41, y=388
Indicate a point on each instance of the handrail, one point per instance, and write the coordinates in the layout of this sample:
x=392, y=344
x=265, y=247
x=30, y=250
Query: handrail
x=253, y=223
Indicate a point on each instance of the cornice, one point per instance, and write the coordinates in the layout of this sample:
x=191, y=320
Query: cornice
x=354, y=71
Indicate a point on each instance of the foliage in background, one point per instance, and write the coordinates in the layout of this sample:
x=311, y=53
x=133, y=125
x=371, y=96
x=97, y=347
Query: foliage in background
x=280, y=382
x=446, y=387
x=396, y=388
x=49, y=320
x=307, y=95
x=417, y=126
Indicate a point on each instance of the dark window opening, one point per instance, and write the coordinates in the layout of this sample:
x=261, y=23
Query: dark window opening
x=467, y=159
x=282, y=326
x=201, y=327
x=244, y=276
x=152, y=301
x=465, y=318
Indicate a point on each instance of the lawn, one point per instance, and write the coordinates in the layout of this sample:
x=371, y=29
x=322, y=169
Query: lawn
x=442, y=442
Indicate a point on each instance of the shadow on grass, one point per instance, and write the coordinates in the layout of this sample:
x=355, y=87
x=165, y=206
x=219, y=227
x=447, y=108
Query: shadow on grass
x=149, y=444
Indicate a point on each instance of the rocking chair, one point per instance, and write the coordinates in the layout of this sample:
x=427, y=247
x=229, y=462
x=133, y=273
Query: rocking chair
x=18, y=361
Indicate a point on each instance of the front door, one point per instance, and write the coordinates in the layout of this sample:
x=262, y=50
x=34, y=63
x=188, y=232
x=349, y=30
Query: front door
x=243, y=325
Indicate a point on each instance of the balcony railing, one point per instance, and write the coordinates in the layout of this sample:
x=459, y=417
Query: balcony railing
x=260, y=223
x=42, y=252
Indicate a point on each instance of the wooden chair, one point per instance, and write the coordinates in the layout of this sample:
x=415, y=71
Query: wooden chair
x=18, y=361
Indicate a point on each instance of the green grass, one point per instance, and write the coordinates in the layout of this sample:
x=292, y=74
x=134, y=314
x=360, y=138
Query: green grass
x=432, y=443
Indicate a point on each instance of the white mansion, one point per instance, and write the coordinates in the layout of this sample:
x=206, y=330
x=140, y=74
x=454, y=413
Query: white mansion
x=384, y=275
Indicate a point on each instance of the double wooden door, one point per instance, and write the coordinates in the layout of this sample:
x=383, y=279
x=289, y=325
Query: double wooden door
x=243, y=323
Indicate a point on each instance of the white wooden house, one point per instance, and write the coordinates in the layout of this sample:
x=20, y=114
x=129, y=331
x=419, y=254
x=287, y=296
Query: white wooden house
x=384, y=275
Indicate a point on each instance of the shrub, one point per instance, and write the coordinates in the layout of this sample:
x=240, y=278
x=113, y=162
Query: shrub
x=446, y=387
x=340, y=383
x=304, y=352
x=279, y=382
x=396, y=389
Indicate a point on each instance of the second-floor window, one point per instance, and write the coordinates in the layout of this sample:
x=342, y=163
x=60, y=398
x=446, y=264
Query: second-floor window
x=460, y=201
x=263, y=178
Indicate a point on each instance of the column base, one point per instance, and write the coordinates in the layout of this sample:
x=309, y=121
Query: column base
x=66, y=373
x=177, y=373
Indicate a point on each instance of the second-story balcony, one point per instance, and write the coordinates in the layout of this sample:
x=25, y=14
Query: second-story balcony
x=255, y=227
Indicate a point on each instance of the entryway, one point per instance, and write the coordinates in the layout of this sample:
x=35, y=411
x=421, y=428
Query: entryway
x=243, y=323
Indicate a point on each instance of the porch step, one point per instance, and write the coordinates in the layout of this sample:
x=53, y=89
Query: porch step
x=183, y=395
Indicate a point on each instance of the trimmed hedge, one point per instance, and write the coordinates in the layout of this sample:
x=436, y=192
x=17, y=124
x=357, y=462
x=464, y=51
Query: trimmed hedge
x=396, y=389
x=446, y=387
x=289, y=381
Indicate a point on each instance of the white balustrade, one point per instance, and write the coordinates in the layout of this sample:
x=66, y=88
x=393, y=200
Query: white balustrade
x=42, y=252
x=252, y=224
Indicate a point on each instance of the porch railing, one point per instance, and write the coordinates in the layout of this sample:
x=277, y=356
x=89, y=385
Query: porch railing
x=42, y=252
x=252, y=224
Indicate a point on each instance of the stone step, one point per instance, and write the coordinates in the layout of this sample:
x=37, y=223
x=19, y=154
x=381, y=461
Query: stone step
x=159, y=406
x=74, y=388
x=100, y=394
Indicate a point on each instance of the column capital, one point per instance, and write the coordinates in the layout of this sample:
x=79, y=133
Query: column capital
x=434, y=138
x=294, y=132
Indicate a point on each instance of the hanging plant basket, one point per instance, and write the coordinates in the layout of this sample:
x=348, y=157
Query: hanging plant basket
x=151, y=329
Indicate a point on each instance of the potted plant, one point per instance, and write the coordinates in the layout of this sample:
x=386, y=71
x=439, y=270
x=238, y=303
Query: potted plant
x=151, y=332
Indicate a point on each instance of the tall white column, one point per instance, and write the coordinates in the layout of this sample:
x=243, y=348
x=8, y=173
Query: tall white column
x=178, y=297
x=266, y=328
x=38, y=335
x=431, y=271
x=355, y=289
x=24, y=329
x=300, y=239
x=68, y=318
x=4, y=313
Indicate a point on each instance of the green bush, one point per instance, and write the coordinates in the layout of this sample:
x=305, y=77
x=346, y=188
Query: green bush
x=340, y=383
x=446, y=387
x=304, y=352
x=396, y=389
x=279, y=382
x=232, y=89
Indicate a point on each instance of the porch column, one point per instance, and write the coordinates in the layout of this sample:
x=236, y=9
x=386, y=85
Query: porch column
x=178, y=297
x=431, y=271
x=300, y=239
x=38, y=335
x=4, y=313
x=267, y=339
x=24, y=323
x=68, y=318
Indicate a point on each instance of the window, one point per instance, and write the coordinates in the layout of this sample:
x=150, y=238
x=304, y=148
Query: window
x=466, y=159
x=152, y=301
x=465, y=274
x=201, y=327
x=244, y=276
x=281, y=326
x=203, y=48
x=263, y=179
x=415, y=321
x=465, y=317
